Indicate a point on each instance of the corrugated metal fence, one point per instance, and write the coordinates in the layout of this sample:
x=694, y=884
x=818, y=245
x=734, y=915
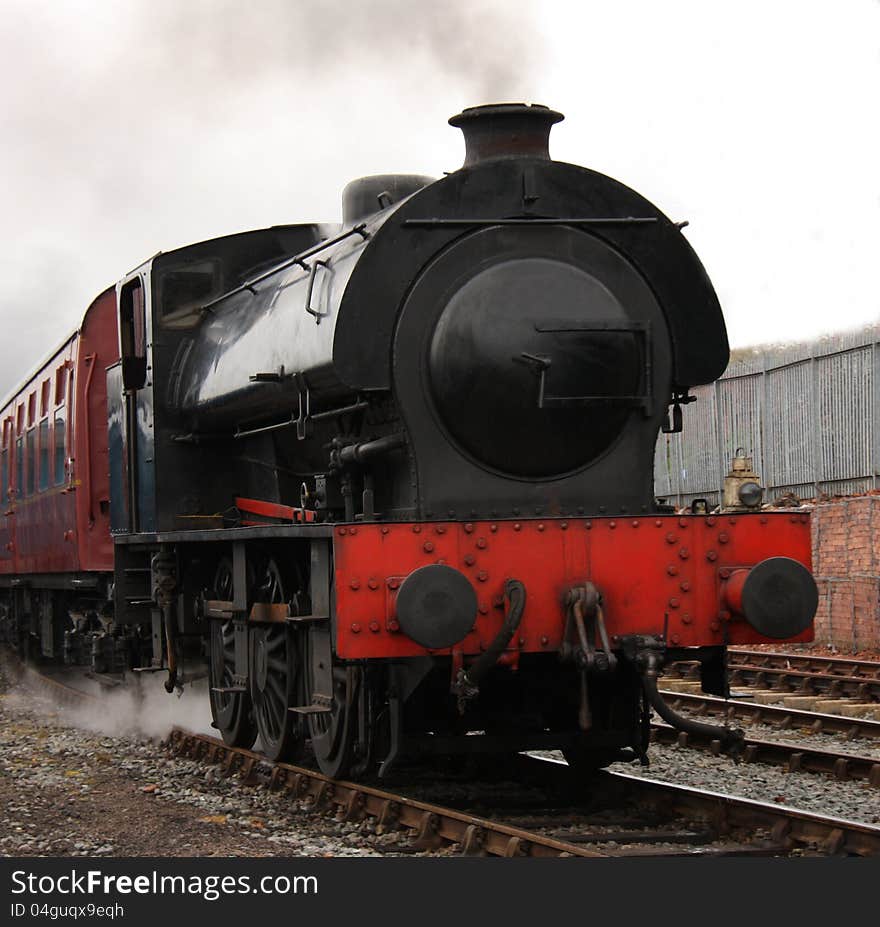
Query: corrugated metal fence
x=809, y=415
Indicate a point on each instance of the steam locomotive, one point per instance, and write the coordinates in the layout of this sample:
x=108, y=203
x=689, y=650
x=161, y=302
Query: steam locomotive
x=390, y=483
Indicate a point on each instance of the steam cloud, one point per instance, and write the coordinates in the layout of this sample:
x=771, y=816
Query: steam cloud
x=138, y=126
x=146, y=710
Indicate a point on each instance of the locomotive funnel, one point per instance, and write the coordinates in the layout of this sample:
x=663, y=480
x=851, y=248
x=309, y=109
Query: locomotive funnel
x=506, y=130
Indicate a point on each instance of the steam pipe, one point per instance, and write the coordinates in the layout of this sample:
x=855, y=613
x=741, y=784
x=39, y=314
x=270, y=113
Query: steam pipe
x=468, y=682
x=359, y=453
x=732, y=739
x=170, y=638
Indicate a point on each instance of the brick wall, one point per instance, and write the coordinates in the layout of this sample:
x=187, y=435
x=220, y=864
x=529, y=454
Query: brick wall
x=846, y=563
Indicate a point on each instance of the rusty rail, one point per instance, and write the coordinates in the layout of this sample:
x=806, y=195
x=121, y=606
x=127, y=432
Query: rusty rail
x=795, y=757
x=775, y=715
x=787, y=826
x=55, y=689
x=801, y=674
x=839, y=666
x=805, y=682
x=434, y=825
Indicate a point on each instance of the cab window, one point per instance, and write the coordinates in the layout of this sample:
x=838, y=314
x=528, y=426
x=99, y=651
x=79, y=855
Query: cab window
x=184, y=289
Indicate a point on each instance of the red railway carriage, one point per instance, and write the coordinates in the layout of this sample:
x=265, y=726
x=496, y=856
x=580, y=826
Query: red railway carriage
x=55, y=521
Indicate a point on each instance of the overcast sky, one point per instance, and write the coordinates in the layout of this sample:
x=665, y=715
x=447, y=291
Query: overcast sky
x=135, y=126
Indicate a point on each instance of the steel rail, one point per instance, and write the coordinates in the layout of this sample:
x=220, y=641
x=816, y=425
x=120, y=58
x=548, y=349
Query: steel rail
x=794, y=756
x=789, y=826
x=805, y=682
x=434, y=825
x=806, y=675
x=776, y=715
x=57, y=690
x=842, y=666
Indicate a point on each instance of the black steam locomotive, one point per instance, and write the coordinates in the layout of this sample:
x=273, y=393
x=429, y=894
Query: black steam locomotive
x=394, y=480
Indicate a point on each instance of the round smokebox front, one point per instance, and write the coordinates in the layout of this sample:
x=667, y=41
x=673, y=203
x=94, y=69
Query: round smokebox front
x=533, y=364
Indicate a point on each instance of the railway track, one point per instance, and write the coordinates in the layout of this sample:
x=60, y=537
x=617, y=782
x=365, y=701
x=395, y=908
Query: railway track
x=753, y=828
x=797, y=674
x=57, y=689
x=776, y=716
x=838, y=666
x=618, y=815
x=796, y=757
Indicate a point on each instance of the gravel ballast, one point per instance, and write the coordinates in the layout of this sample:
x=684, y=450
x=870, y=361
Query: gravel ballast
x=69, y=791
x=854, y=801
x=72, y=792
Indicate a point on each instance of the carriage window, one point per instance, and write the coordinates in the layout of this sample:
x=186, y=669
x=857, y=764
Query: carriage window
x=60, y=450
x=185, y=289
x=5, y=475
x=19, y=419
x=31, y=461
x=44, y=454
x=32, y=408
x=19, y=464
x=60, y=381
x=44, y=397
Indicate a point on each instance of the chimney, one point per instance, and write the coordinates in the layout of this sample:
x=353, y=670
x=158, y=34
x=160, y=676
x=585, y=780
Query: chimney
x=506, y=130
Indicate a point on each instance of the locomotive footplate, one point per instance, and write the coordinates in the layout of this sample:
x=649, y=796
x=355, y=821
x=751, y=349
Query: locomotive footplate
x=662, y=575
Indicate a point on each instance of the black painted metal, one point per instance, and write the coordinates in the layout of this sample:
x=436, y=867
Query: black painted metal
x=780, y=598
x=367, y=195
x=491, y=191
x=506, y=130
x=529, y=220
x=498, y=371
x=520, y=323
x=436, y=606
x=484, y=443
x=514, y=329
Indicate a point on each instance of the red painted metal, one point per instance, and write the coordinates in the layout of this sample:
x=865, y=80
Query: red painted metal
x=733, y=591
x=272, y=512
x=657, y=574
x=98, y=337
x=64, y=528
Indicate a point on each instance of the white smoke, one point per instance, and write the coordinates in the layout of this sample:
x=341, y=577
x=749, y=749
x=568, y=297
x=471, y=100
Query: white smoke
x=144, y=709
x=139, y=126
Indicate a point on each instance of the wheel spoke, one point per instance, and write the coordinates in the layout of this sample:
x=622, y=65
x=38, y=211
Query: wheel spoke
x=278, y=665
x=278, y=710
x=277, y=683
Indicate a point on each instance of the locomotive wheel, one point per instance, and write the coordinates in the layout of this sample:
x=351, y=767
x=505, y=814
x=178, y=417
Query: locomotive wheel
x=333, y=732
x=231, y=711
x=274, y=675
